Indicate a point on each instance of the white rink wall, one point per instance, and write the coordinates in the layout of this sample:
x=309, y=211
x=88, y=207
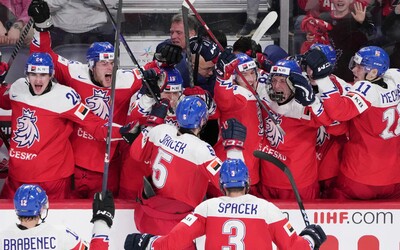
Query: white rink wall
x=349, y=225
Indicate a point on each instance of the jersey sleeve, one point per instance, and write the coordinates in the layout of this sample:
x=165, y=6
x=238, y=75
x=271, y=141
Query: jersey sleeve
x=282, y=233
x=100, y=239
x=5, y=102
x=183, y=234
x=82, y=115
x=344, y=108
x=225, y=97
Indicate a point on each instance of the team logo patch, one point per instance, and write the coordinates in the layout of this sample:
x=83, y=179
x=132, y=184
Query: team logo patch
x=189, y=219
x=27, y=132
x=81, y=111
x=288, y=228
x=98, y=103
x=214, y=166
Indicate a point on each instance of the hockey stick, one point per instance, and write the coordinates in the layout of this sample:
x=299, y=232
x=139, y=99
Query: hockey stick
x=19, y=44
x=185, y=13
x=200, y=19
x=267, y=157
x=264, y=26
x=128, y=50
x=112, y=99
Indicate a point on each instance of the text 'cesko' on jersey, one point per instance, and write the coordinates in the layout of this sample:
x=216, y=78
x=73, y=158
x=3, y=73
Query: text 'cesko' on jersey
x=22, y=155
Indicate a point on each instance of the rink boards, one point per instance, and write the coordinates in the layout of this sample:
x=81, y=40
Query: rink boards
x=350, y=225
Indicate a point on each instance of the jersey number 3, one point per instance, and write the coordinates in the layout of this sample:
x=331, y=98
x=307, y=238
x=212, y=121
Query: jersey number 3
x=236, y=230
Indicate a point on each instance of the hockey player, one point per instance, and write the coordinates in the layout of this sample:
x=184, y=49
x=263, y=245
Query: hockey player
x=237, y=220
x=330, y=139
x=368, y=169
x=43, y=114
x=169, y=86
x=182, y=164
x=31, y=206
x=235, y=100
x=92, y=81
x=294, y=106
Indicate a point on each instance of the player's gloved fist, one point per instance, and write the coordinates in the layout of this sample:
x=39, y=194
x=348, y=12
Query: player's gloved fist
x=158, y=112
x=316, y=233
x=226, y=64
x=202, y=93
x=151, y=76
x=137, y=241
x=3, y=71
x=130, y=131
x=103, y=208
x=233, y=133
x=303, y=93
x=40, y=13
x=318, y=63
x=207, y=49
x=170, y=54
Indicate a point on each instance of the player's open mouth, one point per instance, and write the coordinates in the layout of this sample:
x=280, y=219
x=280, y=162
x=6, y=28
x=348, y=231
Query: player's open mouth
x=108, y=76
x=38, y=87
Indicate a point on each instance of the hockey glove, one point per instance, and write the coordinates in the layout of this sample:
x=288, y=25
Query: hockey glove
x=158, y=113
x=103, y=208
x=233, y=133
x=202, y=93
x=318, y=63
x=316, y=233
x=137, y=241
x=130, y=132
x=151, y=77
x=207, y=49
x=40, y=13
x=226, y=64
x=303, y=93
x=170, y=54
x=3, y=71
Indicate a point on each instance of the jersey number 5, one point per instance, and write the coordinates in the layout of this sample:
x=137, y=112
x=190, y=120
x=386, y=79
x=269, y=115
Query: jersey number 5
x=160, y=172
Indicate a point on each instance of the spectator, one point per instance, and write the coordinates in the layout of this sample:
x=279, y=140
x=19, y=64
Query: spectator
x=12, y=27
x=177, y=37
x=181, y=162
x=350, y=31
x=224, y=227
x=251, y=21
x=78, y=21
x=31, y=206
x=369, y=171
x=40, y=132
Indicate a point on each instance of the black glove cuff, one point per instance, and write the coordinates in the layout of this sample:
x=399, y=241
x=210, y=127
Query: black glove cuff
x=106, y=218
x=44, y=26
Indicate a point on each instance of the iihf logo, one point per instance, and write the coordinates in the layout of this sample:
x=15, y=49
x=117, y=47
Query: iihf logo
x=98, y=103
x=26, y=132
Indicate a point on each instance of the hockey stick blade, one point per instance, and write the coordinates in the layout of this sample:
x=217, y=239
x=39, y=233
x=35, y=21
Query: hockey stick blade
x=264, y=26
x=267, y=157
